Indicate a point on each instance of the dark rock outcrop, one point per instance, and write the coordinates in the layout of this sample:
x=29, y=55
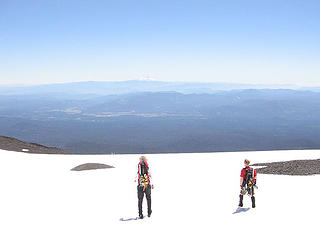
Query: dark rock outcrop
x=13, y=144
x=91, y=166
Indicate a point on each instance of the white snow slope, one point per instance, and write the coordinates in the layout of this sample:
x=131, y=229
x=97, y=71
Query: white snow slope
x=195, y=196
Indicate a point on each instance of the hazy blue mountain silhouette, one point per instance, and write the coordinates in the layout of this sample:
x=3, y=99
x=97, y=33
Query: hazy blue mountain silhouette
x=165, y=121
x=122, y=87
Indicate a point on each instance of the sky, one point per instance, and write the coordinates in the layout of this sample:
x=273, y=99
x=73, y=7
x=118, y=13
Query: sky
x=248, y=41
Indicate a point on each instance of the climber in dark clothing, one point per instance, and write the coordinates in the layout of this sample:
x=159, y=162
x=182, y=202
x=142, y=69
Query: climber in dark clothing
x=144, y=185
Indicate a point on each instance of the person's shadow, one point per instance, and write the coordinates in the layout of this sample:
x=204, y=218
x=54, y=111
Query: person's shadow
x=128, y=219
x=240, y=210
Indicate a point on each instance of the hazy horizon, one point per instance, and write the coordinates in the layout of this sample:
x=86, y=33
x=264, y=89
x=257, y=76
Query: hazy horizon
x=294, y=86
x=251, y=42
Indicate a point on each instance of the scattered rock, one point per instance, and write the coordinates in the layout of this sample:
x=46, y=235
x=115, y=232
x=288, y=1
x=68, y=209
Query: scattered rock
x=294, y=167
x=91, y=166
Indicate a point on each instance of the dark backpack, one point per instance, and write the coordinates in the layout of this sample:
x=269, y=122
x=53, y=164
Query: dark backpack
x=249, y=179
x=143, y=169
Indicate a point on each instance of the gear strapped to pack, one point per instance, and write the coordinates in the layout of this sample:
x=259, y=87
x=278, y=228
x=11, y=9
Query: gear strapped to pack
x=143, y=174
x=249, y=182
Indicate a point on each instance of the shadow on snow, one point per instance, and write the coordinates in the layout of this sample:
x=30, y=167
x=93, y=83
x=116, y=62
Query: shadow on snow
x=128, y=219
x=240, y=210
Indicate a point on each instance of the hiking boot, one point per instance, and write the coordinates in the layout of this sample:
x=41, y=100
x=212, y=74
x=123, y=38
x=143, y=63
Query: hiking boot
x=149, y=213
x=253, y=200
x=241, y=200
x=141, y=216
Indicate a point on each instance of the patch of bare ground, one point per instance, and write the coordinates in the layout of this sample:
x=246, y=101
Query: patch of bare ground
x=13, y=144
x=294, y=167
x=91, y=166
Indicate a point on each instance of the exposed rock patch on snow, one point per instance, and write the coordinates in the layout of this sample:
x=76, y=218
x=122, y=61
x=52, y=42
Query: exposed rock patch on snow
x=295, y=167
x=13, y=144
x=91, y=166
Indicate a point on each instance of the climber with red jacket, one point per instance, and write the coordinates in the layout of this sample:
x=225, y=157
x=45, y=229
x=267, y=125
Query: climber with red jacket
x=248, y=179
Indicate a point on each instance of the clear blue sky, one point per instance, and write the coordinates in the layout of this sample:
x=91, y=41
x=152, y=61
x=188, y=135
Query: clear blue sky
x=249, y=41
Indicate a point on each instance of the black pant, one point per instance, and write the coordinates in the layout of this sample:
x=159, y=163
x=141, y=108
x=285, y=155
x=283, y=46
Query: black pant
x=141, y=193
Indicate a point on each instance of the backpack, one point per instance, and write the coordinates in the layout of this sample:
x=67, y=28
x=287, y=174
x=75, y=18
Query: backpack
x=250, y=179
x=143, y=169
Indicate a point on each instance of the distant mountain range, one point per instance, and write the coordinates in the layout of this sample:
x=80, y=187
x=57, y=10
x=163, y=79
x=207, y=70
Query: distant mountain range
x=84, y=120
x=133, y=86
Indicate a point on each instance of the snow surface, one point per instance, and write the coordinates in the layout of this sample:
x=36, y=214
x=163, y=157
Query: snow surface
x=42, y=199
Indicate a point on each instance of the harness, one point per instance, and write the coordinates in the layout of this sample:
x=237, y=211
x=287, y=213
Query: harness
x=144, y=181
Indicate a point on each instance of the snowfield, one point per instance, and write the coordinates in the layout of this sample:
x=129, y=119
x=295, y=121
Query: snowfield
x=195, y=197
